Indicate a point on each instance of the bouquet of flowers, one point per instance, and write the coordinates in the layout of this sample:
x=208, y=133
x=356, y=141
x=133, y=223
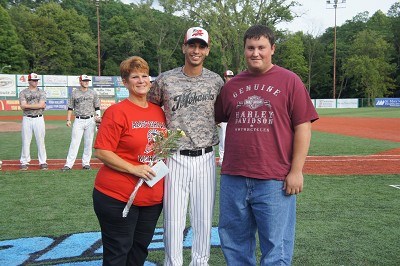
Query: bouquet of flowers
x=164, y=144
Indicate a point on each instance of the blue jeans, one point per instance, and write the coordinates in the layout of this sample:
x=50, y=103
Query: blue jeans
x=248, y=205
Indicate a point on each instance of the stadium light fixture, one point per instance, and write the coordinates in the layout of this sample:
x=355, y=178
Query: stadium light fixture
x=335, y=4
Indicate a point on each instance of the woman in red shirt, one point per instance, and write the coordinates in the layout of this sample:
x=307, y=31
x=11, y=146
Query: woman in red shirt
x=123, y=144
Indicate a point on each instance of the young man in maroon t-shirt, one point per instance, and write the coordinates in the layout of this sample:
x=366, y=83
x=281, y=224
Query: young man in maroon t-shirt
x=269, y=115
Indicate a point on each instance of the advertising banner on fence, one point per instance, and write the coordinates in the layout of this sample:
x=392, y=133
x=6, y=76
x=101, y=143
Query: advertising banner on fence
x=325, y=103
x=347, y=103
x=105, y=103
x=8, y=87
x=56, y=104
x=9, y=105
x=103, y=81
x=56, y=92
x=387, y=102
x=55, y=80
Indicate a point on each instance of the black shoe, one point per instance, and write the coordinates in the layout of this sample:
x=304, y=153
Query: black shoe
x=65, y=169
x=86, y=167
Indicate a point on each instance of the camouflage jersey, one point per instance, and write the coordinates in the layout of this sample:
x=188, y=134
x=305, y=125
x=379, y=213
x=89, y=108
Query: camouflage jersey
x=84, y=102
x=188, y=104
x=32, y=97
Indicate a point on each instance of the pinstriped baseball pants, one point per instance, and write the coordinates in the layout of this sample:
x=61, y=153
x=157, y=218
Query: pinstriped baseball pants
x=191, y=179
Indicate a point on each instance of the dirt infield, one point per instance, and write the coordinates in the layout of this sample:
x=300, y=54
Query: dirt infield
x=387, y=162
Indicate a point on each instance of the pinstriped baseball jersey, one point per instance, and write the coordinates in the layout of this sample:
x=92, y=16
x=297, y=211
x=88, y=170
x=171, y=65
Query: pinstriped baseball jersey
x=84, y=102
x=32, y=97
x=189, y=105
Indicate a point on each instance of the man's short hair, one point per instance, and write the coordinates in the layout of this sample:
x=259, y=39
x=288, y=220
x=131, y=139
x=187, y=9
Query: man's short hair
x=257, y=31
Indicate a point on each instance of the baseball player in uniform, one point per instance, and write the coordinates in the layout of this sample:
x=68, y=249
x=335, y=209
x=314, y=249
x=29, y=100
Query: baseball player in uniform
x=188, y=95
x=33, y=102
x=85, y=104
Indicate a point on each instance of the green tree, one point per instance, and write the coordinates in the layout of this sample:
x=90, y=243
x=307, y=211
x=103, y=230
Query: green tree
x=227, y=20
x=290, y=54
x=77, y=28
x=369, y=65
x=11, y=50
x=49, y=49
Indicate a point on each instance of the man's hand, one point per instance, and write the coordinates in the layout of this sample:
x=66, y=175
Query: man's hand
x=293, y=183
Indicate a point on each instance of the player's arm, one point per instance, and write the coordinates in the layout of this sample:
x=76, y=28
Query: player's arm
x=294, y=180
x=112, y=160
x=69, y=115
x=40, y=105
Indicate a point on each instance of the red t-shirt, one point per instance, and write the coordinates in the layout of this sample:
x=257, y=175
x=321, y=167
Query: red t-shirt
x=127, y=129
x=262, y=111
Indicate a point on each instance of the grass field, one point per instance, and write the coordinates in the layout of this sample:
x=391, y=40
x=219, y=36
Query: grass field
x=342, y=220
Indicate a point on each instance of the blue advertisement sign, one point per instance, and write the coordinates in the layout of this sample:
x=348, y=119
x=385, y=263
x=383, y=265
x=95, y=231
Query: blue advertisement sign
x=56, y=104
x=387, y=102
x=121, y=92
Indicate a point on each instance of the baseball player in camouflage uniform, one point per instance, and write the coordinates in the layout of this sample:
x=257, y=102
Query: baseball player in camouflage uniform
x=86, y=106
x=33, y=102
x=188, y=94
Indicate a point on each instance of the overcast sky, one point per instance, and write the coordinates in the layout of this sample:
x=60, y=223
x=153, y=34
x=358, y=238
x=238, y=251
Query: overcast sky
x=316, y=15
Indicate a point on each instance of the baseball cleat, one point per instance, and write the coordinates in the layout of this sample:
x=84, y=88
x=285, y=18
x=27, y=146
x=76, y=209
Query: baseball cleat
x=86, y=167
x=23, y=167
x=65, y=169
x=44, y=166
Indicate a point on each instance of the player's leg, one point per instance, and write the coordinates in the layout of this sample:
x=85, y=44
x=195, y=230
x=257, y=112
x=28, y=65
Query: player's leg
x=26, y=133
x=176, y=196
x=88, y=136
x=237, y=226
x=275, y=214
x=39, y=129
x=76, y=137
x=202, y=197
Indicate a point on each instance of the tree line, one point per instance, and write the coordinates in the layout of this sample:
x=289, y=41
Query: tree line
x=60, y=38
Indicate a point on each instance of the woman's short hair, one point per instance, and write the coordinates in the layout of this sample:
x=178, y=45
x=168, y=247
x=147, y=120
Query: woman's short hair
x=133, y=63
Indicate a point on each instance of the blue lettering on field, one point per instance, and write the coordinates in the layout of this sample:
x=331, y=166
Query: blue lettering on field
x=81, y=249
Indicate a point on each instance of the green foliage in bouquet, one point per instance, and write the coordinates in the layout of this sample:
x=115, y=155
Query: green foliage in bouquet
x=166, y=143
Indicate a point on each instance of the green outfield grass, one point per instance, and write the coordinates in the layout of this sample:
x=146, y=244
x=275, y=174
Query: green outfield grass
x=58, y=139
x=342, y=220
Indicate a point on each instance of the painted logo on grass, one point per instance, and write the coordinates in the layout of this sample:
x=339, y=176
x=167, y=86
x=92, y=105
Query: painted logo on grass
x=81, y=249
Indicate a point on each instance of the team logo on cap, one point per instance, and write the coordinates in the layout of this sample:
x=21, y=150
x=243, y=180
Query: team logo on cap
x=197, y=32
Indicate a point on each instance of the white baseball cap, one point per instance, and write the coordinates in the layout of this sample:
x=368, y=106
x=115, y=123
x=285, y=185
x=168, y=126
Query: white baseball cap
x=228, y=73
x=84, y=78
x=33, y=76
x=197, y=33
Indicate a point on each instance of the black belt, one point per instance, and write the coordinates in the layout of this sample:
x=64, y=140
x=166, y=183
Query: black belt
x=84, y=117
x=34, y=116
x=196, y=152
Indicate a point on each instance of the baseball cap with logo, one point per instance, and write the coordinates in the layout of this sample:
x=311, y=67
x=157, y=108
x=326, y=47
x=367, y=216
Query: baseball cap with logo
x=197, y=33
x=84, y=78
x=228, y=73
x=33, y=76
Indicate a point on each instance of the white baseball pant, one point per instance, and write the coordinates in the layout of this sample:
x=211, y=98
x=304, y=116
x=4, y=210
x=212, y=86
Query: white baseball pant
x=190, y=179
x=37, y=126
x=85, y=128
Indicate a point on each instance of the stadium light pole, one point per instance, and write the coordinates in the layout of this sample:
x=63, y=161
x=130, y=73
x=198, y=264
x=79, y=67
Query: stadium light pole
x=98, y=37
x=1, y=70
x=335, y=4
